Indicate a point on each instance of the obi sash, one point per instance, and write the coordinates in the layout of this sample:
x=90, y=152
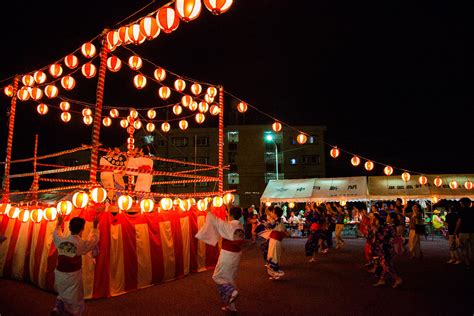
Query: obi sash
x=69, y=264
x=277, y=235
x=232, y=245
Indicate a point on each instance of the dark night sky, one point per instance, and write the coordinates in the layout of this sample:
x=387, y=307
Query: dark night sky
x=392, y=81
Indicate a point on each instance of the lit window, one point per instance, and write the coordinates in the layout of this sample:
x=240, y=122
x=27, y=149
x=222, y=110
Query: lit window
x=148, y=139
x=233, y=178
x=292, y=161
x=233, y=137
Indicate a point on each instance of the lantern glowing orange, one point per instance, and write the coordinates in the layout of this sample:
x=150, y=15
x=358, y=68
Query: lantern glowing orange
x=217, y=201
x=131, y=140
x=114, y=113
x=50, y=213
x=151, y=114
x=5, y=208
x=114, y=63
x=188, y=10
x=180, y=85
x=24, y=215
x=454, y=185
x=36, y=215
x=12, y=212
x=8, y=90
x=55, y=70
x=135, y=62
x=215, y=110
x=406, y=176
x=468, y=185
x=242, y=107
x=137, y=124
x=208, y=98
x=139, y=81
x=193, y=106
x=124, y=123
x=334, y=152
x=88, y=50
x=355, y=161
x=135, y=34
x=65, y=106
x=185, y=205
x=276, y=127
x=64, y=207
x=165, y=127
x=301, y=139
x=150, y=127
x=36, y=93
x=177, y=109
x=89, y=70
x=202, y=205
x=159, y=74
x=51, y=91
x=106, y=121
x=147, y=205
x=86, y=112
x=438, y=182
x=113, y=39
x=167, y=19
x=388, y=170
x=68, y=82
x=196, y=88
x=87, y=119
x=65, y=117
x=98, y=194
x=228, y=198
x=369, y=165
x=40, y=77
x=42, y=108
x=166, y=204
x=80, y=199
x=28, y=80
x=23, y=94
x=186, y=100
x=71, y=61
x=164, y=92
x=123, y=35
x=211, y=91
x=422, y=180
x=200, y=118
x=183, y=124
x=218, y=6
x=203, y=107
x=125, y=202
x=149, y=27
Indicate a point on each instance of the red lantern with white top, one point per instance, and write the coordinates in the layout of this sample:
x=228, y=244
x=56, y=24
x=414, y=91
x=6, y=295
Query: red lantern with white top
x=89, y=70
x=88, y=50
x=114, y=63
x=135, y=34
x=188, y=10
x=218, y=6
x=168, y=19
x=71, y=61
x=149, y=28
x=113, y=39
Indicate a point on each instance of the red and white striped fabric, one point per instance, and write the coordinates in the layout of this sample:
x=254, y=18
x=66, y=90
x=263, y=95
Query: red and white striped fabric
x=136, y=251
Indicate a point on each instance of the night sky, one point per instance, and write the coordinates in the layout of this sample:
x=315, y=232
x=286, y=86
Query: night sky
x=392, y=81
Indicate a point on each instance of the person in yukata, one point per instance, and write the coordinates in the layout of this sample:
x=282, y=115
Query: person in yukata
x=274, y=245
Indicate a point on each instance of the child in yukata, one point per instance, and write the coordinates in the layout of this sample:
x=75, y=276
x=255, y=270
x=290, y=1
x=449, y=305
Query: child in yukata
x=277, y=233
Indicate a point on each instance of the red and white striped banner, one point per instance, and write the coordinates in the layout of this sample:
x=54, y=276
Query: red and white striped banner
x=136, y=251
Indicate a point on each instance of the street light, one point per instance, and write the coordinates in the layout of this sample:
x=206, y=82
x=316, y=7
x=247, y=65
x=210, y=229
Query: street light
x=270, y=138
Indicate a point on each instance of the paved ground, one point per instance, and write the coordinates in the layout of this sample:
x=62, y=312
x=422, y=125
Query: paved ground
x=337, y=284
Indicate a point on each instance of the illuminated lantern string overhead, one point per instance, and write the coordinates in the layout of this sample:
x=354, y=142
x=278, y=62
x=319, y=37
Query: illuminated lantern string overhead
x=23, y=94
x=40, y=77
x=107, y=121
x=159, y=74
x=114, y=113
x=202, y=205
x=183, y=124
x=203, y=107
x=137, y=124
x=125, y=202
x=88, y=50
x=167, y=19
x=151, y=114
x=89, y=70
x=98, y=194
x=150, y=127
x=149, y=28
x=211, y=91
x=114, y=63
x=228, y=198
x=51, y=91
x=13, y=212
x=334, y=152
x=42, y=109
x=65, y=106
x=185, y=205
x=276, y=127
x=242, y=107
x=55, y=70
x=422, y=180
x=147, y=205
x=369, y=165
x=86, y=112
x=71, y=61
x=186, y=100
x=217, y=201
x=218, y=6
x=301, y=139
x=468, y=185
x=196, y=88
x=135, y=62
x=65, y=117
x=388, y=170
x=123, y=35
x=166, y=204
x=36, y=215
x=215, y=110
x=177, y=109
x=68, y=82
x=135, y=34
x=438, y=182
x=36, y=93
x=24, y=216
x=180, y=85
x=8, y=90
x=355, y=161
x=208, y=98
x=165, y=127
x=406, y=176
x=124, y=123
x=28, y=80
x=164, y=92
x=454, y=185
x=193, y=106
x=87, y=120
x=64, y=207
x=188, y=10
x=200, y=118
x=133, y=113
x=50, y=213
x=139, y=81
x=113, y=39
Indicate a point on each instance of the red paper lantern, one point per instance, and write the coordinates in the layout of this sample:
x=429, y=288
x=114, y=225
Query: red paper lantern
x=36, y=93
x=114, y=113
x=8, y=90
x=160, y=74
x=113, y=39
x=64, y=207
x=87, y=120
x=42, y=109
x=133, y=113
x=355, y=161
x=183, y=124
x=135, y=34
x=51, y=91
x=301, y=139
x=28, y=80
x=71, y=61
x=454, y=185
x=165, y=127
x=151, y=114
x=406, y=176
x=135, y=62
x=193, y=106
x=215, y=110
x=68, y=82
x=186, y=100
x=177, y=109
x=334, y=152
x=422, y=180
x=208, y=98
x=203, y=107
x=388, y=170
x=167, y=19
x=218, y=6
x=107, y=121
x=166, y=204
x=164, y=92
x=242, y=107
x=139, y=81
x=180, y=85
x=188, y=10
x=40, y=77
x=65, y=106
x=149, y=28
x=468, y=185
x=88, y=50
x=86, y=112
x=147, y=205
x=137, y=124
x=124, y=123
x=55, y=70
x=438, y=182
x=369, y=165
x=89, y=70
x=211, y=91
x=65, y=117
x=114, y=63
x=150, y=127
x=123, y=35
x=98, y=194
x=276, y=127
x=196, y=88
x=200, y=118
x=36, y=215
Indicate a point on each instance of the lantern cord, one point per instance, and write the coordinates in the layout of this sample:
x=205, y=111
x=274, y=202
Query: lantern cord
x=139, y=10
x=84, y=147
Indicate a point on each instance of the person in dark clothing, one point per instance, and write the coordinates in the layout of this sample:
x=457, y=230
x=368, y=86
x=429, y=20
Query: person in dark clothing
x=451, y=220
x=465, y=229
